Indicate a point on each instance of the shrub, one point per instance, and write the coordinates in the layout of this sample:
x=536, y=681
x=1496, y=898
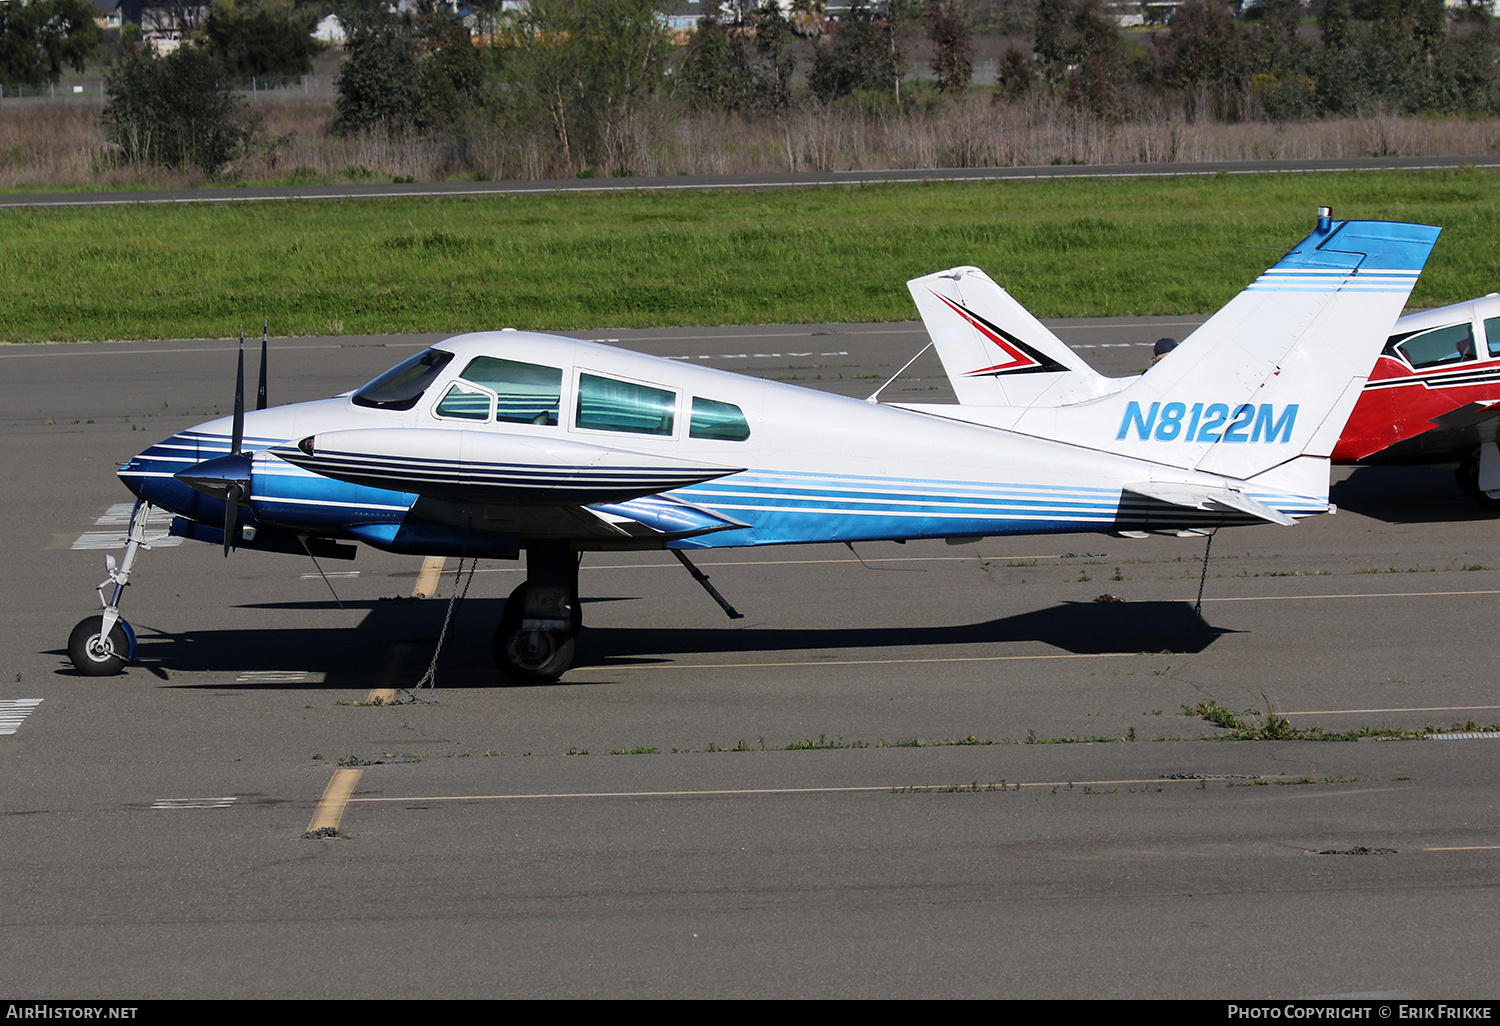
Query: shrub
x=377, y=87
x=176, y=111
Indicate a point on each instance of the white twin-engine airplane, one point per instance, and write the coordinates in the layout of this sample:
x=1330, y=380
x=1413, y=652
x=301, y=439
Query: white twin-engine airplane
x=494, y=443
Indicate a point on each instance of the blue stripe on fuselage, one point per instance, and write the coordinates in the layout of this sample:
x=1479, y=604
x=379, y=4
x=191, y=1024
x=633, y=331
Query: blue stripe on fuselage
x=780, y=508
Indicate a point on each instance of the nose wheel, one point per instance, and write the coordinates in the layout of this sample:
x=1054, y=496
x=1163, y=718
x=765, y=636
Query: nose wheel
x=99, y=651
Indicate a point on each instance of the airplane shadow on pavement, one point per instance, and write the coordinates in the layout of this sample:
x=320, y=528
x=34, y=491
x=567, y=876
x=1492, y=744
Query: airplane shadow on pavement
x=1406, y=495
x=393, y=645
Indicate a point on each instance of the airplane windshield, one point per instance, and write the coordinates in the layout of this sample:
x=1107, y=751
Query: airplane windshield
x=400, y=387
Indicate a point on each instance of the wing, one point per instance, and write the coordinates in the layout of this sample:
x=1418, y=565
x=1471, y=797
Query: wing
x=493, y=468
x=512, y=485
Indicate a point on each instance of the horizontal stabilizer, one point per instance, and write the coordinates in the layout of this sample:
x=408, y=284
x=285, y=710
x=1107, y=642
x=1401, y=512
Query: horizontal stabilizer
x=1211, y=499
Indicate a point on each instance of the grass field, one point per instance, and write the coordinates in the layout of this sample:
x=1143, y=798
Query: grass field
x=1064, y=248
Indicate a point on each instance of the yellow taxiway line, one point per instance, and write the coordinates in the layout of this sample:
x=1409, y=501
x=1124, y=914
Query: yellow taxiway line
x=865, y=789
x=427, y=585
x=427, y=580
x=330, y=811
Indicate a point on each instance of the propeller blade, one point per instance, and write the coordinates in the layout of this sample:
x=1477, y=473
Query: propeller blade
x=260, y=393
x=231, y=516
x=238, y=433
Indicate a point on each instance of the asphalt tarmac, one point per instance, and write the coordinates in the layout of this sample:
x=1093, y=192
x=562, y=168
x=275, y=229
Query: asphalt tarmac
x=910, y=771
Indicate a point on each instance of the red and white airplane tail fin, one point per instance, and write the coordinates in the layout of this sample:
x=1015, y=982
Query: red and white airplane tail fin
x=994, y=351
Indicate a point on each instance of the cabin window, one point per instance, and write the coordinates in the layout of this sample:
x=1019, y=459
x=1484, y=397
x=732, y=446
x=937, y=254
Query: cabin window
x=1439, y=346
x=605, y=404
x=721, y=421
x=465, y=403
x=400, y=387
x=526, y=393
x=1492, y=333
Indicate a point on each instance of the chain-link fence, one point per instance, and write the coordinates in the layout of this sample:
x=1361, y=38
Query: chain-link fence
x=320, y=86
x=90, y=90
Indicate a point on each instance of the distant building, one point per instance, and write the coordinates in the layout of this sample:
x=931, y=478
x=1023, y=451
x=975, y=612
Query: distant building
x=330, y=30
x=683, y=15
x=106, y=14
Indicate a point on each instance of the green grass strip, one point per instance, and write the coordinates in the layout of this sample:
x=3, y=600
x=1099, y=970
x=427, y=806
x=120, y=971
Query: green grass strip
x=1074, y=248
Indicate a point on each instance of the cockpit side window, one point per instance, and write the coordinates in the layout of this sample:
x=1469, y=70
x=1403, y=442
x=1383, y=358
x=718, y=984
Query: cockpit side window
x=466, y=403
x=1492, y=334
x=1436, y=347
x=526, y=393
x=722, y=421
x=400, y=387
x=605, y=404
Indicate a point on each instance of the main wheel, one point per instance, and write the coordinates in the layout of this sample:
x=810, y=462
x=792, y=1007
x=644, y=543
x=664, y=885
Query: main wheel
x=1467, y=476
x=528, y=656
x=96, y=656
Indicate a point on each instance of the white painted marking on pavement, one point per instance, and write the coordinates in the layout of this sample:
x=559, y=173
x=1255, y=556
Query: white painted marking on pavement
x=14, y=710
x=273, y=677
x=118, y=515
x=192, y=803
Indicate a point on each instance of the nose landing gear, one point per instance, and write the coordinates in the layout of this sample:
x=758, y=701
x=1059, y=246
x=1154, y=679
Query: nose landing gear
x=101, y=645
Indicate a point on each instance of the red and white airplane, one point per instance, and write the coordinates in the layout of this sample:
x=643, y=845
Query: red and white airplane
x=1433, y=396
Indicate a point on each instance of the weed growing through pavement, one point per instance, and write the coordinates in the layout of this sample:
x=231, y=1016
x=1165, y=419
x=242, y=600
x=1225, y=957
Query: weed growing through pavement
x=1273, y=727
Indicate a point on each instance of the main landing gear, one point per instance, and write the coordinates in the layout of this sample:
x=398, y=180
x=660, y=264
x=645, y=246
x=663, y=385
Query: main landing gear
x=1468, y=476
x=534, y=641
x=101, y=645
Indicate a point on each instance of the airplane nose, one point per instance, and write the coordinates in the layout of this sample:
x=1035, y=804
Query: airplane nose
x=129, y=475
x=151, y=474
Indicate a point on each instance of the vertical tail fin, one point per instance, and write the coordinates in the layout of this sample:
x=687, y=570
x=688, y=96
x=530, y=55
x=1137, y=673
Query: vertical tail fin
x=994, y=351
x=1274, y=374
